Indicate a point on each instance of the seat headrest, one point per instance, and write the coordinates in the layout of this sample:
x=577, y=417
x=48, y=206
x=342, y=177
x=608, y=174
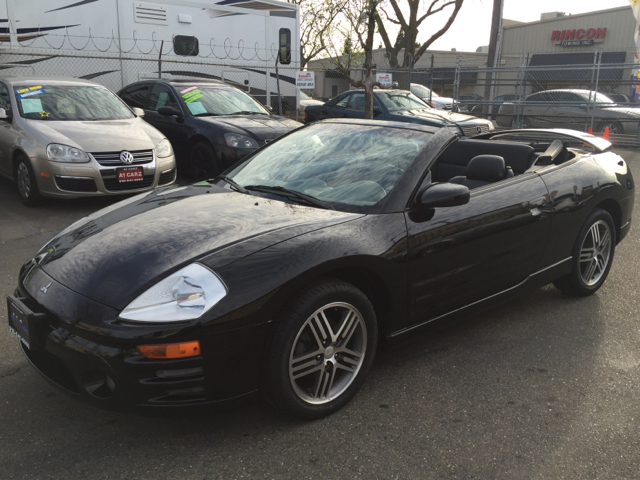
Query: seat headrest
x=488, y=168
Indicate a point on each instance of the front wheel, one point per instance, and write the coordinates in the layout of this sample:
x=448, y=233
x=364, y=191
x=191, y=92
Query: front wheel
x=321, y=351
x=26, y=180
x=592, y=256
x=203, y=163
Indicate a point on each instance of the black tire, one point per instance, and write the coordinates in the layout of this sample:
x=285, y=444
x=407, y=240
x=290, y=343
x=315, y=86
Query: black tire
x=203, y=162
x=26, y=181
x=592, y=257
x=297, y=360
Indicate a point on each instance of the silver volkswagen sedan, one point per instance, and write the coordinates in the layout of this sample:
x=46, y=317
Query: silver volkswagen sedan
x=67, y=137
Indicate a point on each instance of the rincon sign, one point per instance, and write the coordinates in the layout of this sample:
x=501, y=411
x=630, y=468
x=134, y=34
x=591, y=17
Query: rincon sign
x=579, y=34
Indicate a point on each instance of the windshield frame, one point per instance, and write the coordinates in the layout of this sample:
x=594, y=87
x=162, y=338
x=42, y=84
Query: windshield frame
x=18, y=92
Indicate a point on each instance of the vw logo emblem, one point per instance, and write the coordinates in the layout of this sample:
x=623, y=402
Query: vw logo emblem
x=126, y=157
x=478, y=130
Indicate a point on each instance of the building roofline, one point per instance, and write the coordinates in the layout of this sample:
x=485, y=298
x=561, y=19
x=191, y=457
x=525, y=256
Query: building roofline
x=568, y=17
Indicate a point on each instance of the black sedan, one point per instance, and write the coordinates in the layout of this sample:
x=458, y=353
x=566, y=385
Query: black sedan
x=211, y=125
x=397, y=106
x=284, y=274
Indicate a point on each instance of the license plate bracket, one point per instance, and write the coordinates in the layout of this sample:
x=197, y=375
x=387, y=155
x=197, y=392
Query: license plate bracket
x=130, y=174
x=23, y=322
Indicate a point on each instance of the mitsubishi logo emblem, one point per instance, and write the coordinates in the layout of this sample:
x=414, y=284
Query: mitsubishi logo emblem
x=126, y=157
x=45, y=288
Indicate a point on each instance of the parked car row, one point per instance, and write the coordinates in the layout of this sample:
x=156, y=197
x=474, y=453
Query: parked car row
x=399, y=106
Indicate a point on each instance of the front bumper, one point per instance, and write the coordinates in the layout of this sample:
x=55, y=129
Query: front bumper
x=66, y=180
x=100, y=364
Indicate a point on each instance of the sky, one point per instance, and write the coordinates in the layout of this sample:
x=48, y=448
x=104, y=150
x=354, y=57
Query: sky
x=471, y=28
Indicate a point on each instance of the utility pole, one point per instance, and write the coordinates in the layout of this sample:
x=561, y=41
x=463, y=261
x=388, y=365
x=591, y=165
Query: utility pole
x=494, y=50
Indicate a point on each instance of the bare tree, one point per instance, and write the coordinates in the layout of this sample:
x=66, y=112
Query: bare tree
x=409, y=26
x=353, y=49
x=317, y=22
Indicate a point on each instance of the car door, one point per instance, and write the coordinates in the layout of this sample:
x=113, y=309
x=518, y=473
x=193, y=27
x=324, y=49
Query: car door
x=8, y=133
x=172, y=126
x=466, y=253
x=336, y=108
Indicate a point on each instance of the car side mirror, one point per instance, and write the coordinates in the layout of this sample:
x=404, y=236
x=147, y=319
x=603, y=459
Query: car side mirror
x=269, y=108
x=443, y=195
x=138, y=111
x=170, y=112
x=377, y=110
x=4, y=115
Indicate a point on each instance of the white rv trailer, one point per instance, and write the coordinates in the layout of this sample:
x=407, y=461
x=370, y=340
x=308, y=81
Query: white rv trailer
x=116, y=42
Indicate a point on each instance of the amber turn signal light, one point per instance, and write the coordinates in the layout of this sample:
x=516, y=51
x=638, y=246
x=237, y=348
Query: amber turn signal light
x=162, y=351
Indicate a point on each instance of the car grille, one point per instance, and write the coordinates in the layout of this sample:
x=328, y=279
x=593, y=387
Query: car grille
x=140, y=157
x=470, y=130
x=73, y=184
x=167, y=177
x=111, y=182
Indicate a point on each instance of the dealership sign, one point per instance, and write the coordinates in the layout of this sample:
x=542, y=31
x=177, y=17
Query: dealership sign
x=305, y=80
x=578, y=37
x=384, y=79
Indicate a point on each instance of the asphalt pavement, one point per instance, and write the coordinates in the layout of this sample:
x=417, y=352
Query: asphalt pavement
x=544, y=387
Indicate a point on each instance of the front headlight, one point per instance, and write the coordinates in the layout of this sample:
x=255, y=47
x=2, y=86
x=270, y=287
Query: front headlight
x=163, y=149
x=184, y=295
x=240, y=141
x=65, y=153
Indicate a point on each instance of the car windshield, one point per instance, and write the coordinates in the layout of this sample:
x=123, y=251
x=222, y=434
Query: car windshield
x=400, y=100
x=340, y=164
x=210, y=100
x=303, y=96
x=422, y=91
x=69, y=102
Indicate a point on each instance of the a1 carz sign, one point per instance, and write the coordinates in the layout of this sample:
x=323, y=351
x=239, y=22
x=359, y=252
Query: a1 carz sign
x=132, y=174
x=305, y=80
x=384, y=79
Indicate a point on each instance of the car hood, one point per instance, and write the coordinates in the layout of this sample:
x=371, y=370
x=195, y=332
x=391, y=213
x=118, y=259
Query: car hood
x=100, y=136
x=260, y=127
x=115, y=254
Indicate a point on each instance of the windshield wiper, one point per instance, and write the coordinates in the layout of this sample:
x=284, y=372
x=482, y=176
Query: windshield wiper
x=247, y=112
x=294, y=193
x=207, y=114
x=236, y=186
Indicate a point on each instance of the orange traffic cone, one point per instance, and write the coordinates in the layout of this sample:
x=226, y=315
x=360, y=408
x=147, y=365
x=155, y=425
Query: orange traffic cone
x=589, y=131
x=606, y=133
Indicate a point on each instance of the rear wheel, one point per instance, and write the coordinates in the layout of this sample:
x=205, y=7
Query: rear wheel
x=26, y=180
x=592, y=256
x=321, y=351
x=204, y=162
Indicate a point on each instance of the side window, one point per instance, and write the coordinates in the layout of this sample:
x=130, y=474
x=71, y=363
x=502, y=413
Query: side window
x=344, y=102
x=567, y=97
x=160, y=97
x=357, y=102
x=136, y=95
x=5, y=101
x=186, y=46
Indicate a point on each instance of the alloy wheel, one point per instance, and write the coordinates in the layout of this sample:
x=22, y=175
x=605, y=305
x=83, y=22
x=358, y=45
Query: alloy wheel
x=595, y=253
x=327, y=353
x=24, y=180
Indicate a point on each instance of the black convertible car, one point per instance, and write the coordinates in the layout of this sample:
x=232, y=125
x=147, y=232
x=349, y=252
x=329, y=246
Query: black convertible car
x=284, y=274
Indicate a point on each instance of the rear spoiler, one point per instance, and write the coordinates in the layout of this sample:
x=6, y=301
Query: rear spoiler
x=597, y=143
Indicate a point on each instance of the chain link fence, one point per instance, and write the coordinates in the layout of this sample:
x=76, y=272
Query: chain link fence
x=525, y=91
